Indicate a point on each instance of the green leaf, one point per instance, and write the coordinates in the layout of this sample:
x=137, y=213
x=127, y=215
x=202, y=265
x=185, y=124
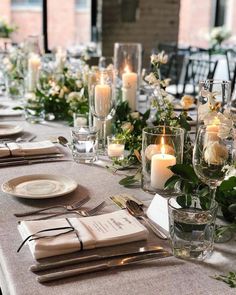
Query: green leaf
x=185, y=171
x=171, y=182
x=184, y=201
x=128, y=181
x=228, y=184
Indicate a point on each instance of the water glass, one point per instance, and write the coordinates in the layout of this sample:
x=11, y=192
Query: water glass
x=191, y=227
x=80, y=120
x=84, y=144
x=33, y=108
x=162, y=147
x=15, y=87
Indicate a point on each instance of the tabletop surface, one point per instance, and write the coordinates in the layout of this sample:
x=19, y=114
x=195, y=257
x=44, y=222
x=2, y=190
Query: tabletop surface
x=163, y=276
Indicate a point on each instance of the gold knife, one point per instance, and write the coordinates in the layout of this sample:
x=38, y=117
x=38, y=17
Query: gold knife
x=95, y=257
x=115, y=263
x=121, y=199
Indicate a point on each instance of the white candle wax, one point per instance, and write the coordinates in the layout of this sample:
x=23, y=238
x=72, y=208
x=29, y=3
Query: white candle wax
x=129, y=89
x=115, y=150
x=33, y=71
x=80, y=121
x=212, y=132
x=102, y=100
x=60, y=59
x=159, y=171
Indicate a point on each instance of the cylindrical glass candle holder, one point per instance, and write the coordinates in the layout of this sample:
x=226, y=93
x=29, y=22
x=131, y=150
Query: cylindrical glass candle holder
x=213, y=96
x=128, y=64
x=162, y=147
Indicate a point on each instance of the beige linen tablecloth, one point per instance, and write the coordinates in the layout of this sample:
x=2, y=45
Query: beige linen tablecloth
x=166, y=276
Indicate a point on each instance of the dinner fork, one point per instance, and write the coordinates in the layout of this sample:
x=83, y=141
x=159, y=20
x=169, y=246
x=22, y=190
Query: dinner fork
x=82, y=212
x=71, y=207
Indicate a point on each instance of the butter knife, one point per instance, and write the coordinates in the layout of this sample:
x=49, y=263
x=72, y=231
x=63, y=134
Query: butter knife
x=96, y=257
x=115, y=263
x=33, y=157
x=30, y=162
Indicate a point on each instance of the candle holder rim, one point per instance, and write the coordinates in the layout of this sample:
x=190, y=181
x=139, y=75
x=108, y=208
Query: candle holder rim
x=180, y=130
x=213, y=205
x=128, y=44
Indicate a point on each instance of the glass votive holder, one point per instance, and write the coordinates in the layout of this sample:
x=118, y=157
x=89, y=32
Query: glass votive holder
x=84, y=144
x=80, y=120
x=115, y=147
x=191, y=227
x=162, y=147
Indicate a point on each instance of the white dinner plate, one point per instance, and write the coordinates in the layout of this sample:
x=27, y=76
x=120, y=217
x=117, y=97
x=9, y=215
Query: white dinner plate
x=39, y=186
x=9, y=129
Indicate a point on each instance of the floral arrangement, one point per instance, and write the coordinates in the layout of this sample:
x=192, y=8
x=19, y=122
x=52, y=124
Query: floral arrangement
x=65, y=93
x=5, y=29
x=219, y=35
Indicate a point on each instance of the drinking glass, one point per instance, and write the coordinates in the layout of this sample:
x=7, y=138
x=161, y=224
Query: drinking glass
x=213, y=151
x=191, y=228
x=84, y=144
x=102, y=99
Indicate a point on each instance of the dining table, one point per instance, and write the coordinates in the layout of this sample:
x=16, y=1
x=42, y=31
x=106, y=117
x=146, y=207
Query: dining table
x=165, y=276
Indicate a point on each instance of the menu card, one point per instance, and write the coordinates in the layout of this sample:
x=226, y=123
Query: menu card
x=91, y=232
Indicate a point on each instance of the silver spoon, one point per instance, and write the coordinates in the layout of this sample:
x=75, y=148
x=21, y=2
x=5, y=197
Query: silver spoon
x=137, y=211
x=63, y=141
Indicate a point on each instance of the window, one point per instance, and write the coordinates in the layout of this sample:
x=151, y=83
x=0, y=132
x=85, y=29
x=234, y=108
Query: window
x=220, y=14
x=82, y=4
x=21, y=3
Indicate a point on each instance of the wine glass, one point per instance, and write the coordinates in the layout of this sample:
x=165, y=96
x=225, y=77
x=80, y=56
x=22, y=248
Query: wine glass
x=102, y=99
x=213, y=152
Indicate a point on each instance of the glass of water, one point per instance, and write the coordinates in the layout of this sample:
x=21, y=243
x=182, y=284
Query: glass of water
x=192, y=227
x=84, y=144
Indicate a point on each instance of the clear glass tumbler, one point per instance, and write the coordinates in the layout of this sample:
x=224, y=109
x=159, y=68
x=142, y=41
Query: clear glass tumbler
x=191, y=227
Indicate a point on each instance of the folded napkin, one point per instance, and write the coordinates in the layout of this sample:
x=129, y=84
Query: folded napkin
x=27, y=148
x=91, y=232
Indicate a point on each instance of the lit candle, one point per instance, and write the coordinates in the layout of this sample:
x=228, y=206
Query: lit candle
x=102, y=99
x=60, y=59
x=33, y=71
x=213, y=129
x=160, y=172
x=129, y=89
x=116, y=150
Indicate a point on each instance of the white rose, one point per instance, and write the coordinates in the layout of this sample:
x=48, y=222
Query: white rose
x=127, y=127
x=187, y=101
x=135, y=115
x=215, y=153
x=74, y=96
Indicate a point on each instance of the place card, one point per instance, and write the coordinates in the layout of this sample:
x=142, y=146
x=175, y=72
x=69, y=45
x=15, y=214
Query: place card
x=158, y=211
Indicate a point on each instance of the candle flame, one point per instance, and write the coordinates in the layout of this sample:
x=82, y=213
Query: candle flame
x=127, y=69
x=215, y=121
x=163, y=150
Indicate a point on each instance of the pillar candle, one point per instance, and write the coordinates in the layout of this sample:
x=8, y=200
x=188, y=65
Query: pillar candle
x=102, y=100
x=160, y=172
x=33, y=71
x=129, y=88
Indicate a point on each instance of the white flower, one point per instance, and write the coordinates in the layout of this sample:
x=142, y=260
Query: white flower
x=151, y=79
x=127, y=126
x=231, y=171
x=79, y=83
x=135, y=115
x=215, y=153
x=159, y=58
x=74, y=96
x=187, y=101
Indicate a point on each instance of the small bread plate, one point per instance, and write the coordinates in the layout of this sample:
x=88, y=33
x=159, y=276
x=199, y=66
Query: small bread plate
x=9, y=129
x=39, y=186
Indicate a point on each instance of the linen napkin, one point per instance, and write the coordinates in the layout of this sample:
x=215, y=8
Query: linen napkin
x=90, y=232
x=27, y=148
